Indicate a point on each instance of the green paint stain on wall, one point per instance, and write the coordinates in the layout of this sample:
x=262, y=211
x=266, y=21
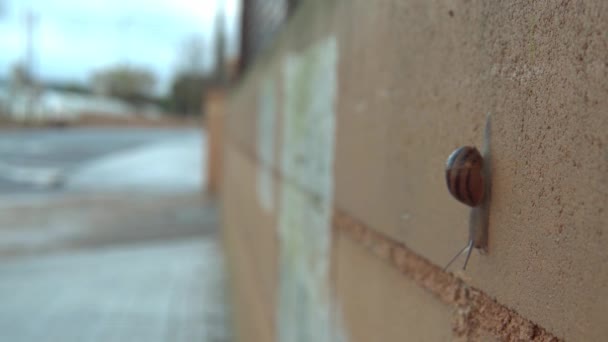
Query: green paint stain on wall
x=304, y=306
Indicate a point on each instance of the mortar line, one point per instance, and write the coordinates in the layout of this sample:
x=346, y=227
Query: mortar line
x=481, y=311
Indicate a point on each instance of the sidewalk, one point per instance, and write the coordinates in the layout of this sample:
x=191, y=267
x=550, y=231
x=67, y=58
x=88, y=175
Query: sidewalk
x=113, y=267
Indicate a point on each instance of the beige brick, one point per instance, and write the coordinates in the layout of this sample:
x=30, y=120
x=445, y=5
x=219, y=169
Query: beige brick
x=378, y=303
x=241, y=123
x=241, y=126
x=215, y=112
x=250, y=238
x=253, y=317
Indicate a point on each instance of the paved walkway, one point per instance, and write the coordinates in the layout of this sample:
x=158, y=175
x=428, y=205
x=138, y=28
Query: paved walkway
x=149, y=272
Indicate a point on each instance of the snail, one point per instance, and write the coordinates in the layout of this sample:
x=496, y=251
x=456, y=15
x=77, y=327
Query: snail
x=463, y=175
x=467, y=176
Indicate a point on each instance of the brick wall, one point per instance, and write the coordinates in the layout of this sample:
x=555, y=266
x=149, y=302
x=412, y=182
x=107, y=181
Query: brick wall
x=215, y=107
x=336, y=217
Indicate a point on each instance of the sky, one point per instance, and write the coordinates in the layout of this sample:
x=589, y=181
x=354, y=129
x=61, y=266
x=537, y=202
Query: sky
x=73, y=38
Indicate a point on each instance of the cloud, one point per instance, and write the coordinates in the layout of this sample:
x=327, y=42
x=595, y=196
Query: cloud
x=75, y=37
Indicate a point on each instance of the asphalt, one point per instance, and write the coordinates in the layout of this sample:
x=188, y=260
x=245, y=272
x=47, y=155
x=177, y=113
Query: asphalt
x=29, y=156
x=93, y=265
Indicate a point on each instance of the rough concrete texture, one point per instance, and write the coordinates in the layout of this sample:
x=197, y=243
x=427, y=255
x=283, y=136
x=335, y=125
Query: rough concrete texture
x=416, y=80
x=540, y=71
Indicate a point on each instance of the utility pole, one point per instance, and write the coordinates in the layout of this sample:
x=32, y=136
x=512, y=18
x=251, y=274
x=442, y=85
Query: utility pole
x=30, y=86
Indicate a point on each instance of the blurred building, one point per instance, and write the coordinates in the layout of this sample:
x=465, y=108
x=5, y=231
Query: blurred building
x=56, y=105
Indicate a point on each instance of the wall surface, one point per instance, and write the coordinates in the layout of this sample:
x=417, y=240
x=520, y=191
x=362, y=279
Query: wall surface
x=215, y=106
x=337, y=219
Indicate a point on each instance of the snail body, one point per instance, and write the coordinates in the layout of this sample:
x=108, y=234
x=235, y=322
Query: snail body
x=468, y=179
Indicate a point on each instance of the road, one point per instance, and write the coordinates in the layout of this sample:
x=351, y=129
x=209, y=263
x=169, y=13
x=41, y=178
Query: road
x=32, y=160
x=106, y=236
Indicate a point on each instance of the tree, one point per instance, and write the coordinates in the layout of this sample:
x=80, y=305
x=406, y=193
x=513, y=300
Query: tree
x=190, y=81
x=187, y=92
x=20, y=76
x=219, y=71
x=69, y=86
x=132, y=84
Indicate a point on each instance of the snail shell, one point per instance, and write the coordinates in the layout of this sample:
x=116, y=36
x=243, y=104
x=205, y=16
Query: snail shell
x=464, y=176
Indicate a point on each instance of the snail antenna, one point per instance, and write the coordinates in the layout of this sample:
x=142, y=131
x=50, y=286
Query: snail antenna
x=468, y=248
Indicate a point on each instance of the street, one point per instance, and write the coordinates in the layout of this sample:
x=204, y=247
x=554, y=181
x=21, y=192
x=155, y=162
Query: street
x=38, y=160
x=105, y=235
